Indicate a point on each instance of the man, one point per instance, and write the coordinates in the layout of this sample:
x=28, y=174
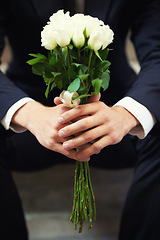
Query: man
x=22, y=22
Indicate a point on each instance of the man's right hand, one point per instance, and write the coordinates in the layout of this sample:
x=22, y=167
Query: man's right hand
x=42, y=122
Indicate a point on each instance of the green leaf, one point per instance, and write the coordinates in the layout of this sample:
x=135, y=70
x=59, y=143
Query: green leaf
x=34, y=61
x=106, y=65
x=97, y=54
x=72, y=72
x=38, y=69
x=47, y=91
x=74, y=86
x=48, y=80
x=55, y=74
x=52, y=60
x=83, y=76
x=84, y=68
x=76, y=64
x=37, y=55
x=52, y=86
x=104, y=53
x=47, y=71
x=82, y=89
x=96, y=83
x=38, y=58
x=59, y=82
x=105, y=79
x=103, y=66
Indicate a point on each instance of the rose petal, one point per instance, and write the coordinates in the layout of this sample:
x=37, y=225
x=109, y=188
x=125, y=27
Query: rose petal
x=66, y=98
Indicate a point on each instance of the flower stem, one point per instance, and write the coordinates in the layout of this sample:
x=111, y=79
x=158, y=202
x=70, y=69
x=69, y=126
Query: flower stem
x=90, y=58
x=88, y=83
x=61, y=57
x=79, y=56
x=84, y=200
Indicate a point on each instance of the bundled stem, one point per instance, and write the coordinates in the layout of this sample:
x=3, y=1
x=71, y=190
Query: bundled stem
x=84, y=207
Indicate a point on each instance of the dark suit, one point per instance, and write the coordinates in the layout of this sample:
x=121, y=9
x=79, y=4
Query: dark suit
x=22, y=22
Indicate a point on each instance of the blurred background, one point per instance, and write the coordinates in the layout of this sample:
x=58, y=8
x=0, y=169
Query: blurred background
x=47, y=194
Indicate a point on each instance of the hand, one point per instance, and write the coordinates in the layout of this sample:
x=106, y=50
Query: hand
x=93, y=98
x=102, y=124
x=42, y=122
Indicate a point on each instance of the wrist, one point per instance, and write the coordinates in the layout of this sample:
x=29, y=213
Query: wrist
x=24, y=116
x=130, y=119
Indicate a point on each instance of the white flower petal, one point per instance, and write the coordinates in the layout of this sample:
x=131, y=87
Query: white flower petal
x=47, y=38
x=62, y=38
x=66, y=98
x=78, y=38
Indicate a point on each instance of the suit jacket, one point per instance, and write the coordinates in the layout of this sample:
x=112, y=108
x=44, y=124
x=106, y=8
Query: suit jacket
x=22, y=22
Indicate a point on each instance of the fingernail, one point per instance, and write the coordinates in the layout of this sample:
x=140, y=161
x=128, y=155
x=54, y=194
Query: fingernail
x=66, y=145
x=61, y=133
x=60, y=119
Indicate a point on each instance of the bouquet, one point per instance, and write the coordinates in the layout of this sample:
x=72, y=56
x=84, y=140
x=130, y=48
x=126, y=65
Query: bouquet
x=76, y=64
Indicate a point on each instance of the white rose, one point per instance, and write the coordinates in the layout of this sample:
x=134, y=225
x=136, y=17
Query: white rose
x=108, y=36
x=48, y=38
x=91, y=24
x=61, y=21
x=95, y=41
x=62, y=38
x=77, y=22
x=59, y=16
x=78, y=38
x=62, y=28
x=56, y=31
x=66, y=98
x=101, y=37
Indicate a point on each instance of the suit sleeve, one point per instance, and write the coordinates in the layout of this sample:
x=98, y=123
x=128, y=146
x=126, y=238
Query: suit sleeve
x=9, y=93
x=146, y=39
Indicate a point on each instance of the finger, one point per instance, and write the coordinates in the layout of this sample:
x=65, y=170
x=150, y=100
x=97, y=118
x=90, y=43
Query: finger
x=57, y=100
x=79, y=118
x=81, y=110
x=82, y=147
x=94, y=148
x=70, y=154
x=84, y=138
x=62, y=140
x=94, y=98
x=77, y=127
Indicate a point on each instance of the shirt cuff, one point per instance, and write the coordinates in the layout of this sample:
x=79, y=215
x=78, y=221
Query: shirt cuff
x=6, y=120
x=146, y=119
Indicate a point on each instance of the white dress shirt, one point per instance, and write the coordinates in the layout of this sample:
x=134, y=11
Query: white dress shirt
x=6, y=120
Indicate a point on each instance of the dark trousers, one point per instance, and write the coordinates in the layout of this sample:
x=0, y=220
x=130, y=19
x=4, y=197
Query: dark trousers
x=140, y=218
x=22, y=152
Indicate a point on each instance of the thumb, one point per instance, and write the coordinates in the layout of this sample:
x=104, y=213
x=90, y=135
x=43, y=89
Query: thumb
x=57, y=100
x=94, y=98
